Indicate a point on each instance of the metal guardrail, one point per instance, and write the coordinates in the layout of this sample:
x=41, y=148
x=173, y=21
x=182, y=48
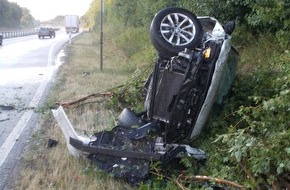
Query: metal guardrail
x=17, y=33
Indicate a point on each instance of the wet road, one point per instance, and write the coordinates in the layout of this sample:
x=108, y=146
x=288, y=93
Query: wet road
x=27, y=68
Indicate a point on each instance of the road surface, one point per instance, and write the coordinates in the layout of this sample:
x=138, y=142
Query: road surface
x=27, y=68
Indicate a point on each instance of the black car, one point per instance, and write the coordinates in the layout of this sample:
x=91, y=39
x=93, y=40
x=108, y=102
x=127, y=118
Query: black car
x=43, y=32
x=1, y=39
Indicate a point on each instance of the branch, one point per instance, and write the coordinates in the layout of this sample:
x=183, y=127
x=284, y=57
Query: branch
x=67, y=104
x=221, y=181
x=200, y=178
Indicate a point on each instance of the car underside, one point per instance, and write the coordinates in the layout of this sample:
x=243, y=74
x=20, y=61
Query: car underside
x=194, y=71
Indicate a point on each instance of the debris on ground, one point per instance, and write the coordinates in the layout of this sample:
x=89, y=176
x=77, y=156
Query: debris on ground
x=51, y=143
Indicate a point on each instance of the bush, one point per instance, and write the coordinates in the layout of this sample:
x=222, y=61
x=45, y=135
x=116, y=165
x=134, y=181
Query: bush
x=254, y=150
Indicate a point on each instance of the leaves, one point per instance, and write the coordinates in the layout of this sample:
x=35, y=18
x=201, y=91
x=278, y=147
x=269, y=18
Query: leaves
x=259, y=145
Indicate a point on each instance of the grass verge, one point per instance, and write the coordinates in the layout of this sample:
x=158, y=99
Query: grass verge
x=53, y=168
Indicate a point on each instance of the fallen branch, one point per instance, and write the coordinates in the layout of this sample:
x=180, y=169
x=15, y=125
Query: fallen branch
x=67, y=104
x=106, y=94
x=186, y=179
x=99, y=94
x=217, y=180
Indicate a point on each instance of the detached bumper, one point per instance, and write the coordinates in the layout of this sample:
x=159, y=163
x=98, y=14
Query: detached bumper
x=124, y=152
x=156, y=151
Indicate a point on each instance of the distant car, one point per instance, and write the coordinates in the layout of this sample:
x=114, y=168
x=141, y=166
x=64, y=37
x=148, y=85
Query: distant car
x=1, y=39
x=42, y=32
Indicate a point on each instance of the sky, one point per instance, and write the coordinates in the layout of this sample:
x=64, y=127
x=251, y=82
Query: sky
x=48, y=9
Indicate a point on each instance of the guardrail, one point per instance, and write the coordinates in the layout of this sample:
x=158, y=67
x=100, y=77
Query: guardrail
x=17, y=33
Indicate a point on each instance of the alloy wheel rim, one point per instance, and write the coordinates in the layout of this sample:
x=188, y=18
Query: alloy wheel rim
x=177, y=29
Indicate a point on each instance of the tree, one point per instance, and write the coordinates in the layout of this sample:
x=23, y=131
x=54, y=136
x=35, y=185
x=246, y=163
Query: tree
x=10, y=14
x=27, y=19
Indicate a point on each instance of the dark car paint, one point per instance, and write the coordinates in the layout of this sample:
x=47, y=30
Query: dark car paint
x=42, y=32
x=1, y=39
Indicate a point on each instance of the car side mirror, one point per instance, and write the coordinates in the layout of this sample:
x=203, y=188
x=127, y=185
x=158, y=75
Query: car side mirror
x=229, y=27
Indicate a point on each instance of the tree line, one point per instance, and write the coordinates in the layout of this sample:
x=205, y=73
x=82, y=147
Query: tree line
x=14, y=16
x=256, y=16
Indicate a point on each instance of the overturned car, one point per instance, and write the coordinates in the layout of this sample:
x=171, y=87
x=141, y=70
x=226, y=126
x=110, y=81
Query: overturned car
x=195, y=69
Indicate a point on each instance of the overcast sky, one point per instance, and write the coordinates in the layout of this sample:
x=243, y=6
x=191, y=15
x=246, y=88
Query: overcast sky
x=48, y=9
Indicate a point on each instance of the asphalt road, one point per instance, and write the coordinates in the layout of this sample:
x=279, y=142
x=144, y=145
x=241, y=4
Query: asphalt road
x=27, y=69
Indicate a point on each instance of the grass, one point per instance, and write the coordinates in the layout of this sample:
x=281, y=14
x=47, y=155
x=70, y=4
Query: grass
x=54, y=168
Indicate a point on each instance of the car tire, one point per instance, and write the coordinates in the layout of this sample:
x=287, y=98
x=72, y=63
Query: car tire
x=128, y=118
x=173, y=29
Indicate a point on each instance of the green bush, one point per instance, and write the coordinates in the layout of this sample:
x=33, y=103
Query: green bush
x=255, y=149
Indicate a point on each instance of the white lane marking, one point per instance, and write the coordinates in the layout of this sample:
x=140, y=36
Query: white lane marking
x=17, y=130
x=14, y=135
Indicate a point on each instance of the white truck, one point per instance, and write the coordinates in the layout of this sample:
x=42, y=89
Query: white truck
x=72, y=24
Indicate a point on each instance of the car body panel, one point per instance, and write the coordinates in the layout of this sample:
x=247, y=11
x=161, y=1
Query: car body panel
x=218, y=89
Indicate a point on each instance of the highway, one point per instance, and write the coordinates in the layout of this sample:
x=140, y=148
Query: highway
x=27, y=68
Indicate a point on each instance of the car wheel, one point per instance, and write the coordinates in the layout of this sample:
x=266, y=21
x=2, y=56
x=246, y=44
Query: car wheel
x=174, y=29
x=128, y=118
